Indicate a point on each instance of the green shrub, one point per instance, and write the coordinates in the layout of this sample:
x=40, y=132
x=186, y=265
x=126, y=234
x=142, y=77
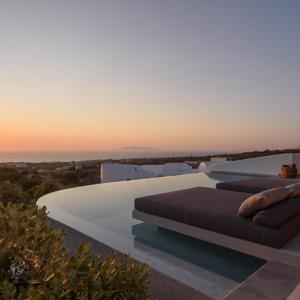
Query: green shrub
x=69, y=178
x=10, y=192
x=34, y=264
x=40, y=190
x=10, y=174
x=27, y=183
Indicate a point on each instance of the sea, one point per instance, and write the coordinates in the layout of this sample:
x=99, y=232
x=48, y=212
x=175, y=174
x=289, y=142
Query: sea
x=66, y=156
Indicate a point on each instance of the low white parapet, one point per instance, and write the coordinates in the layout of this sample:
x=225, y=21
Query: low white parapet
x=112, y=172
x=121, y=172
x=266, y=165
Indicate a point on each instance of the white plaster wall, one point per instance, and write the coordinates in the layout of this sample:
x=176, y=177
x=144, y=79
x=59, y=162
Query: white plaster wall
x=121, y=172
x=116, y=172
x=266, y=165
x=176, y=168
x=206, y=166
x=156, y=169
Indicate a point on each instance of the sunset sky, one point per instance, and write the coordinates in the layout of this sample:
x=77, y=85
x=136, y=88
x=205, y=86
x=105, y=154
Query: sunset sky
x=174, y=75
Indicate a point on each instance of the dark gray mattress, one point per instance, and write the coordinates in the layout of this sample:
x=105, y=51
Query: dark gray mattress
x=254, y=185
x=216, y=210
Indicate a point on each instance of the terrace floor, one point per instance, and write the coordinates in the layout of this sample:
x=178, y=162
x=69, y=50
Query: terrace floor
x=272, y=281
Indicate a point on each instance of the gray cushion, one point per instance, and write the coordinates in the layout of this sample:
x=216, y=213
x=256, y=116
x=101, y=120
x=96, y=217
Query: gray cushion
x=255, y=185
x=278, y=213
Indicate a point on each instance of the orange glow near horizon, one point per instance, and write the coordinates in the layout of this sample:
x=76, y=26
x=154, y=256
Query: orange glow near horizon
x=175, y=138
x=106, y=124
x=59, y=122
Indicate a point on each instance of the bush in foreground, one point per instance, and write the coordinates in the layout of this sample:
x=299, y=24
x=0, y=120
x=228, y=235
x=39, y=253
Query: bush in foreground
x=34, y=264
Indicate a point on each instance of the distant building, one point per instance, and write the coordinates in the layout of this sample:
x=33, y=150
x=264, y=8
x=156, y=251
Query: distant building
x=21, y=165
x=121, y=172
x=64, y=168
x=111, y=172
x=157, y=170
x=45, y=171
x=193, y=163
x=79, y=165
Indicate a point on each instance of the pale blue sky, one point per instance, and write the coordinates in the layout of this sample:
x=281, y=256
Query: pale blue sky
x=182, y=75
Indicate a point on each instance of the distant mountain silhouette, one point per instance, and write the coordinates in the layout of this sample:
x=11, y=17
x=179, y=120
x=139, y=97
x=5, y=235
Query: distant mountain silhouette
x=137, y=149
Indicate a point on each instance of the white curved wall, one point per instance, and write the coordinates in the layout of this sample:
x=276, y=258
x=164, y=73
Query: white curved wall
x=112, y=172
x=266, y=165
x=170, y=169
x=156, y=169
x=120, y=172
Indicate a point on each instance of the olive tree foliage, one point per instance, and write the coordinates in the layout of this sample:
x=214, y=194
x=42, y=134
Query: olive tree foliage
x=35, y=265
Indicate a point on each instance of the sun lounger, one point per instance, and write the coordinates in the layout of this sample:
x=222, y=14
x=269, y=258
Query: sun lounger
x=254, y=185
x=211, y=215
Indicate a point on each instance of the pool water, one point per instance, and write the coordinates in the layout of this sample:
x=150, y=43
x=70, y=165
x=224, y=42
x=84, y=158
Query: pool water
x=223, y=261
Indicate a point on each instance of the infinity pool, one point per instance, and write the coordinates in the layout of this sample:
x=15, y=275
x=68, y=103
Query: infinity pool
x=103, y=212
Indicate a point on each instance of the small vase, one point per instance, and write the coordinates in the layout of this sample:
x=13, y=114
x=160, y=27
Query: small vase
x=287, y=171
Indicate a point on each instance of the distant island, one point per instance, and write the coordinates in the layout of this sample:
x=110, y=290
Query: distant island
x=137, y=149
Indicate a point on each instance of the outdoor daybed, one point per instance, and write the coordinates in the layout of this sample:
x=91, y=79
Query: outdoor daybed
x=255, y=184
x=211, y=215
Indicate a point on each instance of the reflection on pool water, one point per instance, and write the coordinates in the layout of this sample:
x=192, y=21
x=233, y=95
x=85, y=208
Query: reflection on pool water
x=103, y=212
